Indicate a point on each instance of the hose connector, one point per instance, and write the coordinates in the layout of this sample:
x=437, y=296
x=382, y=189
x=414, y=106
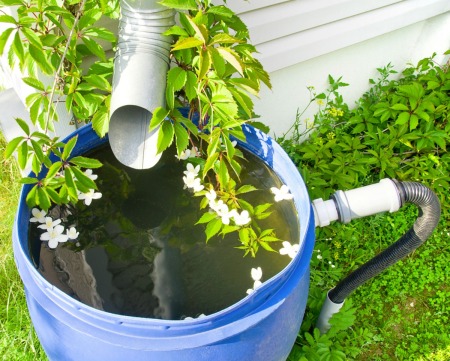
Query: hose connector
x=349, y=207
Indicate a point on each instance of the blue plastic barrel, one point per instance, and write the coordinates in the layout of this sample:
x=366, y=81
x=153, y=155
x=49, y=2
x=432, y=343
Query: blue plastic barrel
x=261, y=327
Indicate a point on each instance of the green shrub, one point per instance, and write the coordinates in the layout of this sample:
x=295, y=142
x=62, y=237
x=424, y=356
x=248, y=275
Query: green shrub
x=399, y=129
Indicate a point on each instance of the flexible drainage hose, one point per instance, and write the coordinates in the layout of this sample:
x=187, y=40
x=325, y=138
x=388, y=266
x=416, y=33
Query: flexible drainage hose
x=429, y=213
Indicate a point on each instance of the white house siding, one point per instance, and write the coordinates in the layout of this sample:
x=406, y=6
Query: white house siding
x=302, y=41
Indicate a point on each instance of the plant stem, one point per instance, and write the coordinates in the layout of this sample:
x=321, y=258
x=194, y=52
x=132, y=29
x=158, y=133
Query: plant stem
x=61, y=63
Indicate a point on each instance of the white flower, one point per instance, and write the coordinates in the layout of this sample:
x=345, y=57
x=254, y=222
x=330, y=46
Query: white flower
x=89, y=196
x=72, y=233
x=224, y=213
x=54, y=236
x=211, y=195
x=38, y=215
x=215, y=205
x=192, y=182
x=289, y=249
x=184, y=155
x=282, y=193
x=49, y=223
x=256, y=274
x=191, y=170
x=91, y=175
x=192, y=318
x=319, y=256
x=241, y=219
x=193, y=152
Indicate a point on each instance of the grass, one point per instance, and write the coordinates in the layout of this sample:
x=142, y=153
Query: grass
x=18, y=340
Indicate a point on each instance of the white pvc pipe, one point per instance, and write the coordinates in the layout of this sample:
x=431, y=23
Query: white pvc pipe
x=329, y=308
x=139, y=81
x=357, y=203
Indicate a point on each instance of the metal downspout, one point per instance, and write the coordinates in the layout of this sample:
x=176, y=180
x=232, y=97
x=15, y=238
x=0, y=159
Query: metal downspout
x=139, y=82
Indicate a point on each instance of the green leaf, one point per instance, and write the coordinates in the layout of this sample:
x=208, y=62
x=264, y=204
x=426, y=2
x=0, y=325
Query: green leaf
x=212, y=228
x=7, y=19
x=232, y=58
x=221, y=10
x=87, y=182
x=190, y=86
x=223, y=38
x=400, y=106
x=101, y=33
x=28, y=180
x=413, y=122
x=4, y=36
x=94, y=47
x=33, y=82
x=176, y=30
x=23, y=125
x=39, y=56
x=43, y=200
x=71, y=186
x=403, y=118
x=32, y=37
x=31, y=196
x=165, y=136
x=69, y=147
x=177, y=77
x=85, y=162
x=170, y=97
x=159, y=114
x=100, y=121
x=17, y=46
x=22, y=155
x=54, y=196
x=38, y=151
x=210, y=161
x=246, y=188
x=12, y=146
x=206, y=217
x=53, y=170
x=180, y=4
x=181, y=137
x=205, y=63
x=187, y=43
x=98, y=81
x=224, y=177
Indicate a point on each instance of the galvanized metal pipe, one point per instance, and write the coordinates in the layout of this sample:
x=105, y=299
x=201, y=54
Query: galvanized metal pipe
x=139, y=81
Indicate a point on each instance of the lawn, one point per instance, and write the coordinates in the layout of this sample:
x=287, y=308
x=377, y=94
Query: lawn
x=18, y=340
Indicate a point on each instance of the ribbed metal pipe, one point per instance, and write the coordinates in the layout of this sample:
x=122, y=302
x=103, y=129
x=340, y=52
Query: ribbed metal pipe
x=139, y=81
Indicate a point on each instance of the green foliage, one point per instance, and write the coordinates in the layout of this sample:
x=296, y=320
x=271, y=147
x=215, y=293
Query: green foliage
x=56, y=40
x=214, y=75
x=403, y=313
x=399, y=129
x=18, y=340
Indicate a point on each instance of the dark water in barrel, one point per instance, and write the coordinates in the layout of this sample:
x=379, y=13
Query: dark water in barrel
x=140, y=254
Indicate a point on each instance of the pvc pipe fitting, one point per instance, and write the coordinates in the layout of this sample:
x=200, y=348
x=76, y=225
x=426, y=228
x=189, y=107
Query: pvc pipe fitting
x=325, y=212
x=329, y=308
x=356, y=203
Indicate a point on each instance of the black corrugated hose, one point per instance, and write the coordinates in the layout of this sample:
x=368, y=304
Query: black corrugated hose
x=429, y=213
